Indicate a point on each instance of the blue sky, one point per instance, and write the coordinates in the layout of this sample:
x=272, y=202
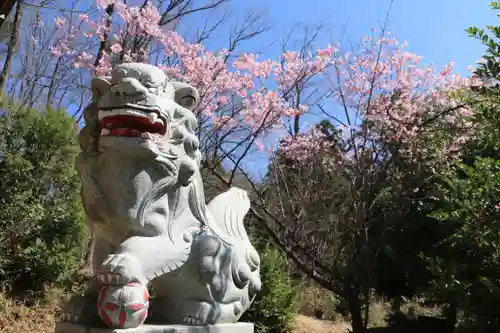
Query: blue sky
x=433, y=28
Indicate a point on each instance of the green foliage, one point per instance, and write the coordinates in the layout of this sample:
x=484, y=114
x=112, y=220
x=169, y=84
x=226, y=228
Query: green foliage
x=40, y=229
x=487, y=116
x=275, y=307
x=490, y=68
x=466, y=263
x=403, y=230
x=468, y=268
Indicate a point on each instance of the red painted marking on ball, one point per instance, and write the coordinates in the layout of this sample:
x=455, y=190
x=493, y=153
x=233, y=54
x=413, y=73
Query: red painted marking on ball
x=143, y=316
x=105, y=318
x=123, y=318
x=135, y=307
x=102, y=295
x=111, y=306
x=133, y=284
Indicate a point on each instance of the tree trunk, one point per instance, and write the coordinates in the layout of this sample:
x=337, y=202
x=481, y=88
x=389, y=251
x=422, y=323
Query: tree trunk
x=14, y=36
x=5, y=8
x=451, y=314
x=355, y=309
x=396, y=304
x=367, y=302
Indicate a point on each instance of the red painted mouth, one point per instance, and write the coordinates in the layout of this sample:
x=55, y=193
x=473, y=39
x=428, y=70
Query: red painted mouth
x=131, y=126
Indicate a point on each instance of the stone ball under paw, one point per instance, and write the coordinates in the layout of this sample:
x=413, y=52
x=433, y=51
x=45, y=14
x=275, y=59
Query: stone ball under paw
x=123, y=306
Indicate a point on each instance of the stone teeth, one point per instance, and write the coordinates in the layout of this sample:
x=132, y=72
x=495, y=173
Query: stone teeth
x=152, y=116
x=105, y=131
x=125, y=112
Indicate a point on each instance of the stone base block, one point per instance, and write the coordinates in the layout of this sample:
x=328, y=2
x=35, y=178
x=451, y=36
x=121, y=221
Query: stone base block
x=63, y=327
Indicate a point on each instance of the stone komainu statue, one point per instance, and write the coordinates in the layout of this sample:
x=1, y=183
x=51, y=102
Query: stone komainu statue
x=143, y=196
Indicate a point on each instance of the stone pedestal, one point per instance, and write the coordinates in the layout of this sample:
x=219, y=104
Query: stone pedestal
x=63, y=327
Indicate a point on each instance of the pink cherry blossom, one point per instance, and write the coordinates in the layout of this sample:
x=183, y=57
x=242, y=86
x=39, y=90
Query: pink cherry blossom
x=385, y=85
x=302, y=147
x=60, y=22
x=381, y=83
x=116, y=48
x=56, y=52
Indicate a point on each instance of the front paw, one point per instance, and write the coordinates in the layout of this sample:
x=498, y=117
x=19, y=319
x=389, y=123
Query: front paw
x=120, y=269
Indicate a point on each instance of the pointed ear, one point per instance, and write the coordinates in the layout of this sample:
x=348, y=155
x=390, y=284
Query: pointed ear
x=100, y=85
x=186, y=95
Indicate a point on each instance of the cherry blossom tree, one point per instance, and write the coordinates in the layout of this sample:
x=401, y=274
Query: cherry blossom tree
x=40, y=77
x=243, y=98
x=389, y=123
x=386, y=94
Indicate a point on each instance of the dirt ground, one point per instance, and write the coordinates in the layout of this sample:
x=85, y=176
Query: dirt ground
x=305, y=324
x=38, y=319
x=20, y=319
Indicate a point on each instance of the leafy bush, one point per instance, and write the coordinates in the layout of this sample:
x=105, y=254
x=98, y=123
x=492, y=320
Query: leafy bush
x=40, y=230
x=468, y=269
x=275, y=308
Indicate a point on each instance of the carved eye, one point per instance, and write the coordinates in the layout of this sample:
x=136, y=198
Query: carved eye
x=187, y=101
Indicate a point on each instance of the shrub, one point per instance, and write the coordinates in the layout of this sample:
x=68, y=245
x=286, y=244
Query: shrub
x=275, y=307
x=41, y=217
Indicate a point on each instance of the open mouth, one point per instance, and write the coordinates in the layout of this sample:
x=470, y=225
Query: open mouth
x=127, y=122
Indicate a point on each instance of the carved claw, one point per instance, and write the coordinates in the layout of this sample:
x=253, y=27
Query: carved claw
x=193, y=321
x=120, y=269
x=71, y=316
